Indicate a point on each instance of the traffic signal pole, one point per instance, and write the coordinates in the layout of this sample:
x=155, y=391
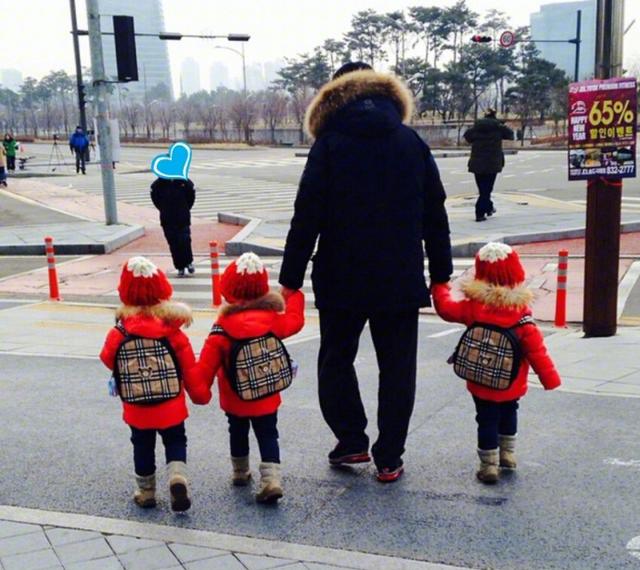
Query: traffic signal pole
x=604, y=195
x=102, y=113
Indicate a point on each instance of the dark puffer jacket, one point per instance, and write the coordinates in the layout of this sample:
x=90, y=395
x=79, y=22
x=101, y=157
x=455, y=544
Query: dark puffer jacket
x=486, y=138
x=372, y=193
x=174, y=199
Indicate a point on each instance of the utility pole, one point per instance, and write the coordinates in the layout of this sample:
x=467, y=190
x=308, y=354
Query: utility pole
x=604, y=195
x=76, y=51
x=102, y=113
x=576, y=75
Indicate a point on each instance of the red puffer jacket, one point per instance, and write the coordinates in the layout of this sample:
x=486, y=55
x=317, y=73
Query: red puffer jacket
x=162, y=320
x=502, y=306
x=246, y=321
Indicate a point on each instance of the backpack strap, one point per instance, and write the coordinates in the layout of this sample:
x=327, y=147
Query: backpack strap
x=120, y=328
x=526, y=320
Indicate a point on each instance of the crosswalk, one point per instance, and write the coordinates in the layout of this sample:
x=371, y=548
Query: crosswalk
x=196, y=289
x=216, y=193
x=243, y=164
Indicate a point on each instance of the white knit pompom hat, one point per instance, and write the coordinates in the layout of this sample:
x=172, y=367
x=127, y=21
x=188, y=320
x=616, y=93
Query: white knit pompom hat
x=499, y=264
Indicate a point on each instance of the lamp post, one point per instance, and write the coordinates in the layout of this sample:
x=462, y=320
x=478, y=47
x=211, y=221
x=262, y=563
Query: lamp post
x=244, y=67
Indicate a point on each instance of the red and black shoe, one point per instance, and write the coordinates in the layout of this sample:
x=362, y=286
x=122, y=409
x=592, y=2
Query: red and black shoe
x=342, y=456
x=390, y=474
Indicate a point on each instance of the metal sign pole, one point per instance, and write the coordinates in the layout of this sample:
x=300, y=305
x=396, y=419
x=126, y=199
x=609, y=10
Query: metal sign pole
x=102, y=113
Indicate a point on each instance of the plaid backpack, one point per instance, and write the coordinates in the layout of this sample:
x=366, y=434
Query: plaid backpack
x=257, y=367
x=146, y=369
x=489, y=355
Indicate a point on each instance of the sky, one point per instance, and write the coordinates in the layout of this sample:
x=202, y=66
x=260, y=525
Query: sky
x=36, y=39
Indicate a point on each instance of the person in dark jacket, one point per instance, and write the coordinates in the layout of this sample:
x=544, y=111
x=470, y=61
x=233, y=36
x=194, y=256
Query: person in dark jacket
x=79, y=143
x=372, y=193
x=487, y=158
x=174, y=199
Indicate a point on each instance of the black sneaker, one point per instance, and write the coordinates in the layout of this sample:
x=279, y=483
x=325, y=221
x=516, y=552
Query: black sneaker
x=343, y=456
x=180, y=272
x=481, y=218
x=191, y=269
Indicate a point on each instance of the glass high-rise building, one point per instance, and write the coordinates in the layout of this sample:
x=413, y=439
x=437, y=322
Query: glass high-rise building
x=154, y=70
x=558, y=22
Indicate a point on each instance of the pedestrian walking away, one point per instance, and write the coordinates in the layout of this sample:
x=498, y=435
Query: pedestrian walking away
x=487, y=158
x=153, y=365
x=496, y=308
x=250, y=319
x=79, y=143
x=372, y=197
x=11, y=147
x=174, y=199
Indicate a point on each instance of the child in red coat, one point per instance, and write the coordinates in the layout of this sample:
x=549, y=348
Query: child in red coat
x=251, y=311
x=497, y=296
x=146, y=312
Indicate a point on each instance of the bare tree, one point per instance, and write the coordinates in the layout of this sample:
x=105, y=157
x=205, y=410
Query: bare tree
x=186, y=113
x=243, y=114
x=273, y=110
x=167, y=117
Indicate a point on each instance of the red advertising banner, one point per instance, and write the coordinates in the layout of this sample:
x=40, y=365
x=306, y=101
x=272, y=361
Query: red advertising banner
x=602, y=128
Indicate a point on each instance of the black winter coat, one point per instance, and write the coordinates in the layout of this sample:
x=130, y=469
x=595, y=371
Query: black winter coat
x=174, y=199
x=372, y=193
x=486, y=138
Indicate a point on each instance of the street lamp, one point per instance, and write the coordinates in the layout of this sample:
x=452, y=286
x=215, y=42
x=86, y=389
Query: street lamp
x=244, y=67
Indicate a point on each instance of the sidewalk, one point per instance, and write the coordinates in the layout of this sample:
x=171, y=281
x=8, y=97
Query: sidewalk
x=32, y=539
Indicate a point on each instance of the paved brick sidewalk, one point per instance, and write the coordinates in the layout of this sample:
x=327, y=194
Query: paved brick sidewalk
x=32, y=540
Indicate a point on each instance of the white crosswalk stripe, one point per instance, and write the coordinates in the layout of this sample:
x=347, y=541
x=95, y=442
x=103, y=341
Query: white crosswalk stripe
x=196, y=289
x=258, y=163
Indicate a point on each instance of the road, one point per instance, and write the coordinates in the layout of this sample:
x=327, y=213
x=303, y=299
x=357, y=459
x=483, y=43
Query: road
x=263, y=182
x=571, y=505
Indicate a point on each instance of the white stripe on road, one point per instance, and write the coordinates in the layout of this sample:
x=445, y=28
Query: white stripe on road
x=445, y=333
x=626, y=285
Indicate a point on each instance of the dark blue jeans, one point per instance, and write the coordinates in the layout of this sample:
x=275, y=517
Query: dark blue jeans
x=144, y=447
x=485, y=183
x=495, y=418
x=265, y=430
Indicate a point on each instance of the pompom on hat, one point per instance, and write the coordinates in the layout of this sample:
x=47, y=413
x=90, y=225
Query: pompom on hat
x=143, y=284
x=499, y=264
x=245, y=279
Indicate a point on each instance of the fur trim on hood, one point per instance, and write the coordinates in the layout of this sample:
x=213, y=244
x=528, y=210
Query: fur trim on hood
x=334, y=95
x=497, y=295
x=269, y=302
x=167, y=311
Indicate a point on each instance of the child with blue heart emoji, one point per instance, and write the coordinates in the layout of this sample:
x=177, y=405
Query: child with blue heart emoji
x=174, y=194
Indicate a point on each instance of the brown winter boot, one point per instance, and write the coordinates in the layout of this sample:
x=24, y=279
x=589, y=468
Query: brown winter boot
x=145, y=493
x=241, y=473
x=507, y=451
x=488, y=472
x=270, y=488
x=178, y=486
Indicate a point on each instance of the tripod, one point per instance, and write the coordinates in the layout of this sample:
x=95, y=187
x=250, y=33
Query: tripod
x=55, y=156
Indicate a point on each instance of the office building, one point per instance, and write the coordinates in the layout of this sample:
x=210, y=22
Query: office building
x=189, y=76
x=558, y=22
x=219, y=76
x=152, y=53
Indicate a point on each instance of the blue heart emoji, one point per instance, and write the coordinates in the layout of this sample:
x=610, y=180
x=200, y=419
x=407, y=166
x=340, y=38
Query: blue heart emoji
x=175, y=164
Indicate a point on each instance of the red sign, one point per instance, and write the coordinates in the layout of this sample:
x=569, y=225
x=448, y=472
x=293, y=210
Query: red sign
x=507, y=39
x=602, y=128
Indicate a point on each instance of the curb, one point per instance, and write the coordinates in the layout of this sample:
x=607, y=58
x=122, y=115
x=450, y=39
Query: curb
x=237, y=244
x=124, y=236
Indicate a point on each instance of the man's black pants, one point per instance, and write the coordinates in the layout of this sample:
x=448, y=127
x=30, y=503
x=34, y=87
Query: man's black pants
x=395, y=338
x=80, y=160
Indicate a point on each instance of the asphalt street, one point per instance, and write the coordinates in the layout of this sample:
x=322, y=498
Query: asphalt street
x=571, y=504
x=264, y=180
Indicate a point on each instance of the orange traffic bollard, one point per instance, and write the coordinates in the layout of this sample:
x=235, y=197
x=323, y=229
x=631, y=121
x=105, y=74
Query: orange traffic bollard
x=215, y=274
x=54, y=293
x=561, y=289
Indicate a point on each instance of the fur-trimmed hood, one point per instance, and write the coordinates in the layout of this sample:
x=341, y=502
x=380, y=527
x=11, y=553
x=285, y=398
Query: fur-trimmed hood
x=170, y=312
x=270, y=302
x=353, y=86
x=518, y=297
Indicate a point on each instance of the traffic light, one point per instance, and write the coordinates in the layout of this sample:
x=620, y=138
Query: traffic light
x=125, y=37
x=478, y=39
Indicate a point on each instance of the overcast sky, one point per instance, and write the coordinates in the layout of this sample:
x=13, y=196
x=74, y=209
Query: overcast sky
x=36, y=36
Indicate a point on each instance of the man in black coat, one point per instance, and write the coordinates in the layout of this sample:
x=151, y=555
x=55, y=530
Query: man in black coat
x=372, y=194
x=487, y=158
x=174, y=199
